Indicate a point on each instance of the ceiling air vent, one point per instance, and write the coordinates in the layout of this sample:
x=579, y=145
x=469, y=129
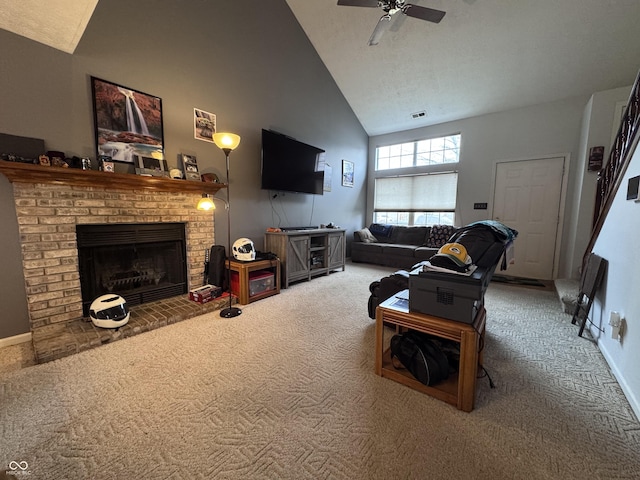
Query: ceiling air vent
x=419, y=114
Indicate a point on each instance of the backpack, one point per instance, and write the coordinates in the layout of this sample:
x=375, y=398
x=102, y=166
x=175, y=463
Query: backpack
x=216, y=270
x=421, y=355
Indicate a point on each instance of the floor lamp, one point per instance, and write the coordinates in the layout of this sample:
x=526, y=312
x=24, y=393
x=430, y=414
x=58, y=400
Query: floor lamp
x=228, y=142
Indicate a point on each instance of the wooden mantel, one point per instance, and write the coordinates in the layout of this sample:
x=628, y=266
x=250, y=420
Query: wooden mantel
x=27, y=173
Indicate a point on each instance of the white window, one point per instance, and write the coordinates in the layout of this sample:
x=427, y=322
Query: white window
x=433, y=151
x=423, y=187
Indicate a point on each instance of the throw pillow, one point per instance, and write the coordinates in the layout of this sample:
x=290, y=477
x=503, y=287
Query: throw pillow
x=366, y=236
x=439, y=235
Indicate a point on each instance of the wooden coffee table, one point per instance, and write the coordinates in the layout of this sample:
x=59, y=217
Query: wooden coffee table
x=458, y=389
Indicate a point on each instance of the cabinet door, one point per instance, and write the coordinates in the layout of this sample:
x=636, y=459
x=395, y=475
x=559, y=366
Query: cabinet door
x=336, y=250
x=298, y=258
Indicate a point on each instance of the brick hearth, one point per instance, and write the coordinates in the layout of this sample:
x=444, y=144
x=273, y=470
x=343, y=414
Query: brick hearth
x=47, y=215
x=59, y=340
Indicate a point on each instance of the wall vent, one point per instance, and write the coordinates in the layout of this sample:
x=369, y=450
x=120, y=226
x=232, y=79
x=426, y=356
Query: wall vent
x=419, y=114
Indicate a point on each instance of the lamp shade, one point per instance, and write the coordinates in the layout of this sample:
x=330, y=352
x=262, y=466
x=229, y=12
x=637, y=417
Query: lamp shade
x=226, y=141
x=205, y=203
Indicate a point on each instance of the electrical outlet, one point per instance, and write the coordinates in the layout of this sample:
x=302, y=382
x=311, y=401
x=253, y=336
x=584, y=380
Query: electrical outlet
x=615, y=320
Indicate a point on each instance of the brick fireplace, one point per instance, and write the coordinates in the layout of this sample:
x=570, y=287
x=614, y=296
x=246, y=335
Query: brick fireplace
x=51, y=202
x=47, y=219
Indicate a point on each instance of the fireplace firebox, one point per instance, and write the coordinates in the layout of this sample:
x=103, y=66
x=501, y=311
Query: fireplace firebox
x=141, y=262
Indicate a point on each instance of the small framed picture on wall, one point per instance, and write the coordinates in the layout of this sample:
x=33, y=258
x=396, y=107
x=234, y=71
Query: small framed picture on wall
x=204, y=125
x=347, y=173
x=596, y=156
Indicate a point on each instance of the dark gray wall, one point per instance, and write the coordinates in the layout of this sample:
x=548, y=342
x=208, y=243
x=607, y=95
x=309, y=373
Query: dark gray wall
x=14, y=319
x=248, y=62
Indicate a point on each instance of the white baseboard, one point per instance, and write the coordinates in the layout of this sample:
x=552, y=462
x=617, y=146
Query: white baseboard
x=15, y=340
x=631, y=398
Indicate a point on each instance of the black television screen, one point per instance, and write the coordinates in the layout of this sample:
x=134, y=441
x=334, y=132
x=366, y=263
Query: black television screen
x=289, y=165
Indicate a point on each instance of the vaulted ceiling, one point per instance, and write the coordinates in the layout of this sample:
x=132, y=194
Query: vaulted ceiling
x=57, y=23
x=484, y=56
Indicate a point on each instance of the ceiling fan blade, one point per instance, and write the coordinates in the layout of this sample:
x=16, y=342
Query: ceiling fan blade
x=397, y=22
x=358, y=3
x=381, y=27
x=423, y=13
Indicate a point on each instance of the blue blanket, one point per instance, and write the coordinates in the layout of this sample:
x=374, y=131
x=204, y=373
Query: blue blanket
x=380, y=230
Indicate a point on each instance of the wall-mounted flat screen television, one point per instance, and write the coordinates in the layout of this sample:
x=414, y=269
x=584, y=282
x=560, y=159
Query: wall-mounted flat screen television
x=290, y=166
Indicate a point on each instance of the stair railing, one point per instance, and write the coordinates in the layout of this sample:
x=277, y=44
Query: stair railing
x=610, y=176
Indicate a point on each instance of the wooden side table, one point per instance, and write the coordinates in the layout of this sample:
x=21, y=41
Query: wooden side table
x=457, y=390
x=244, y=270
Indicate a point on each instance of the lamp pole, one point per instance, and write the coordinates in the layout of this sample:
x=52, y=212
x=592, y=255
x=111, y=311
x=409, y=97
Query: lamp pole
x=228, y=142
x=230, y=311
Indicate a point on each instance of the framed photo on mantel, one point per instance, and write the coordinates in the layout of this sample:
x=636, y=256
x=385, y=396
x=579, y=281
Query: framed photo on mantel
x=190, y=167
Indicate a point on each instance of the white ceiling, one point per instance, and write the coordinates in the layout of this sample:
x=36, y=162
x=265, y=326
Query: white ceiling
x=57, y=23
x=485, y=56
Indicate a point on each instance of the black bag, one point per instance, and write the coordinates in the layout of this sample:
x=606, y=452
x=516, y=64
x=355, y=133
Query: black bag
x=217, y=270
x=385, y=288
x=421, y=355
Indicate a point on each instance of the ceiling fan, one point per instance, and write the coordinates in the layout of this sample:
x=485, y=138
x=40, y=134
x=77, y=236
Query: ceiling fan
x=390, y=8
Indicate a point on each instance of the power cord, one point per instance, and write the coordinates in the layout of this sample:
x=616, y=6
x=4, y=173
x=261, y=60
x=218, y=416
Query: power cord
x=486, y=374
x=601, y=330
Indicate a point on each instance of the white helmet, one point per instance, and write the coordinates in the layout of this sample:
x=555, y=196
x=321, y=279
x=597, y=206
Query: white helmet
x=109, y=311
x=243, y=250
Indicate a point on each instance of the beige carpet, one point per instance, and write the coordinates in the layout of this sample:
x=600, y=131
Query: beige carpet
x=288, y=390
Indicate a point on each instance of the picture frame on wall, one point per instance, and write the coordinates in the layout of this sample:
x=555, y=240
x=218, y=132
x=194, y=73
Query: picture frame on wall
x=127, y=122
x=596, y=157
x=347, y=173
x=204, y=125
x=190, y=167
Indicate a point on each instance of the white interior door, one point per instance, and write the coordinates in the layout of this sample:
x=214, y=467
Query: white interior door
x=527, y=197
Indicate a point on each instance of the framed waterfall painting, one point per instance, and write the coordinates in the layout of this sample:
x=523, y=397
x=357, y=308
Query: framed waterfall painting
x=128, y=123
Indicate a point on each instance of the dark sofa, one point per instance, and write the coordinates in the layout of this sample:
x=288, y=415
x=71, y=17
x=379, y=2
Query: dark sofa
x=486, y=243
x=398, y=246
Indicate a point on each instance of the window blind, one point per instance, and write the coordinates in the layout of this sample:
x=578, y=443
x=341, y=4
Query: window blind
x=416, y=193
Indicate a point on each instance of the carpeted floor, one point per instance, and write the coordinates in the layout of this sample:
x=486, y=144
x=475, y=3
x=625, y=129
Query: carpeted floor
x=288, y=390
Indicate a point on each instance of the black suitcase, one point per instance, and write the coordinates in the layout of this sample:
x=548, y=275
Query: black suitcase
x=447, y=295
x=216, y=271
